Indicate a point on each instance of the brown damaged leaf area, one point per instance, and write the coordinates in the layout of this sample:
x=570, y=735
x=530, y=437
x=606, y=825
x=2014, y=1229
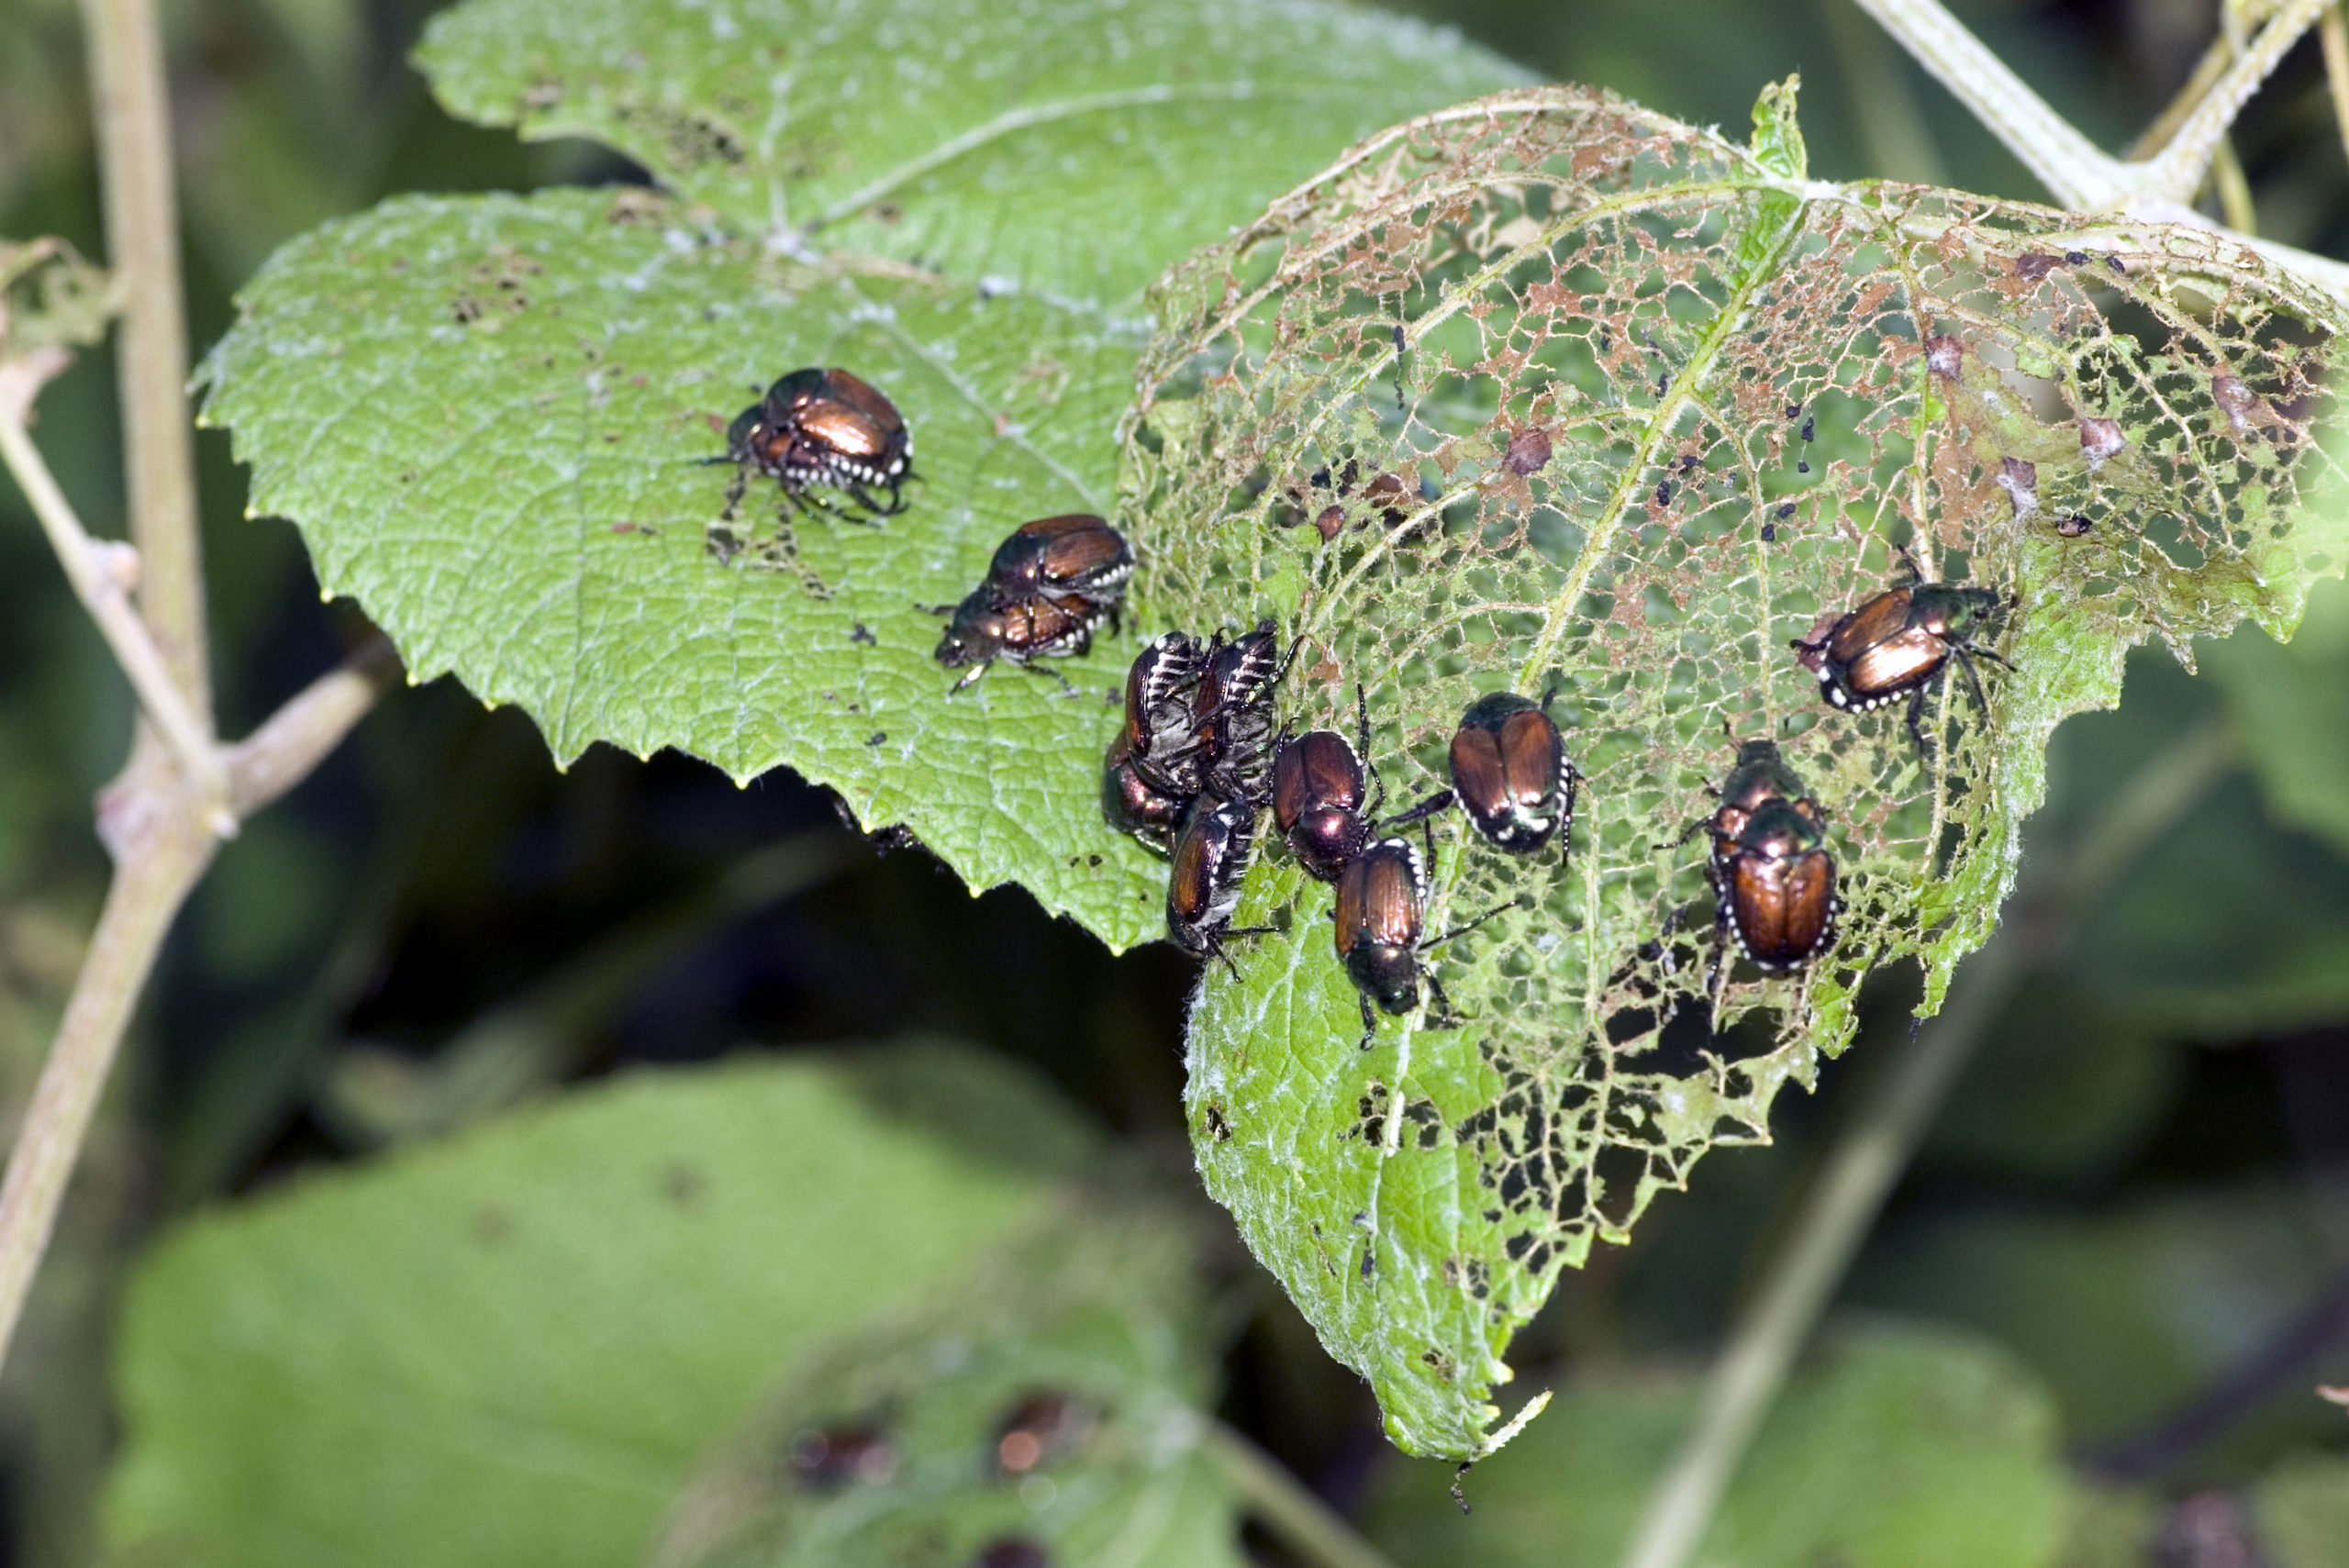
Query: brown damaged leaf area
x=1549, y=393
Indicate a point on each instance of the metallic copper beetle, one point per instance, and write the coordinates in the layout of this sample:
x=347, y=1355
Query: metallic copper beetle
x=1046, y=1425
x=1510, y=773
x=1152, y=768
x=1381, y=912
x=1075, y=555
x=1233, y=710
x=1132, y=803
x=1211, y=855
x=1325, y=800
x=1162, y=724
x=823, y=426
x=1896, y=643
x=1774, y=882
x=836, y=1456
x=984, y=629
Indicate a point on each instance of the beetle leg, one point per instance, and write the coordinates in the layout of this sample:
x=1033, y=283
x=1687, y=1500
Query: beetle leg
x=734, y=491
x=1369, y=1021
x=1440, y=1013
x=1973, y=681
x=1916, y=727
x=977, y=671
x=1034, y=669
x=1701, y=825
x=873, y=510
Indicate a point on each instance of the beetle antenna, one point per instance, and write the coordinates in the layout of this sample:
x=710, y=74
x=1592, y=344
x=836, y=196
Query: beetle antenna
x=1463, y=930
x=1698, y=825
x=1433, y=805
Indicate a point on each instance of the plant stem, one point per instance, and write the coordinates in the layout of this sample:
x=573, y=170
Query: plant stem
x=159, y=854
x=2073, y=168
x=2334, y=36
x=1877, y=1138
x=1305, y=1524
x=297, y=737
x=2175, y=172
x=2235, y=189
x=89, y=567
x=132, y=109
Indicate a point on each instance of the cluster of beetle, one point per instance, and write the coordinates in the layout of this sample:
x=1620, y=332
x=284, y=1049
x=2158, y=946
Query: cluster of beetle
x=1201, y=751
x=1045, y=1427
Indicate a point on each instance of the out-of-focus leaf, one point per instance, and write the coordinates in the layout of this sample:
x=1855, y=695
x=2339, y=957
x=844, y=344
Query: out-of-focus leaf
x=2302, y=1509
x=489, y=417
x=2064, y=1086
x=512, y=1347
x=1084, y=1335
x=2126, y=1314
x=1074, y=146
x=1901, y=1448
x=2287, y=702
x=2226, y=927
x=1550, y=394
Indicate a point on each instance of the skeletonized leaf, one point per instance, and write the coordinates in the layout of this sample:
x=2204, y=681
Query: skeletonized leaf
x=1547, y=393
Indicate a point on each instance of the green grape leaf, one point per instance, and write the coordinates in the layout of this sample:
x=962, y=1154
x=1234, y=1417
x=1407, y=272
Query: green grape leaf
x=1900, y=1447
x=490, y=414
x=1552, y=395
x=514, y=1346
x=1052, y=1394
x=1077, y=146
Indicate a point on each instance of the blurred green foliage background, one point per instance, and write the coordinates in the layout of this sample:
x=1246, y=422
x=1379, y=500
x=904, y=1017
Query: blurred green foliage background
x=2137, y=1200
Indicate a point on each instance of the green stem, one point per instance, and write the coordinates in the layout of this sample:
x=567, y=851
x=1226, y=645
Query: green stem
x=1877, y=1140
x=131, y=104
x=1308, y=1527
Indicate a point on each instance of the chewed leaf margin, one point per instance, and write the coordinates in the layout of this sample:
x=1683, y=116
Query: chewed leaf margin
x=1551, y=391
x=493, y=419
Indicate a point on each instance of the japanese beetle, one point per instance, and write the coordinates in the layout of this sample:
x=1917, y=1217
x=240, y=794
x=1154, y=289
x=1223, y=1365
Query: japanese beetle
x=1075, y=555
x=1162, y=728
x=1012, y=1551
x=1774, y=882
x=1319, y=801
x=1210, y=863
x=827, y=1460
x=1318, y=788
x=823, y=426
x=1510, y=773
x=1132, y=803
x=1233, y=710
x=1043, y=1426
x=1896, y=643
x=985, y=629
x=1381, y=910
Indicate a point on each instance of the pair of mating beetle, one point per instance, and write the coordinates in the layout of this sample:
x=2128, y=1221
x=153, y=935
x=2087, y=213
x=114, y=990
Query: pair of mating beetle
x=1196, y=758
x=1049, y=588
x=1774, y=882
